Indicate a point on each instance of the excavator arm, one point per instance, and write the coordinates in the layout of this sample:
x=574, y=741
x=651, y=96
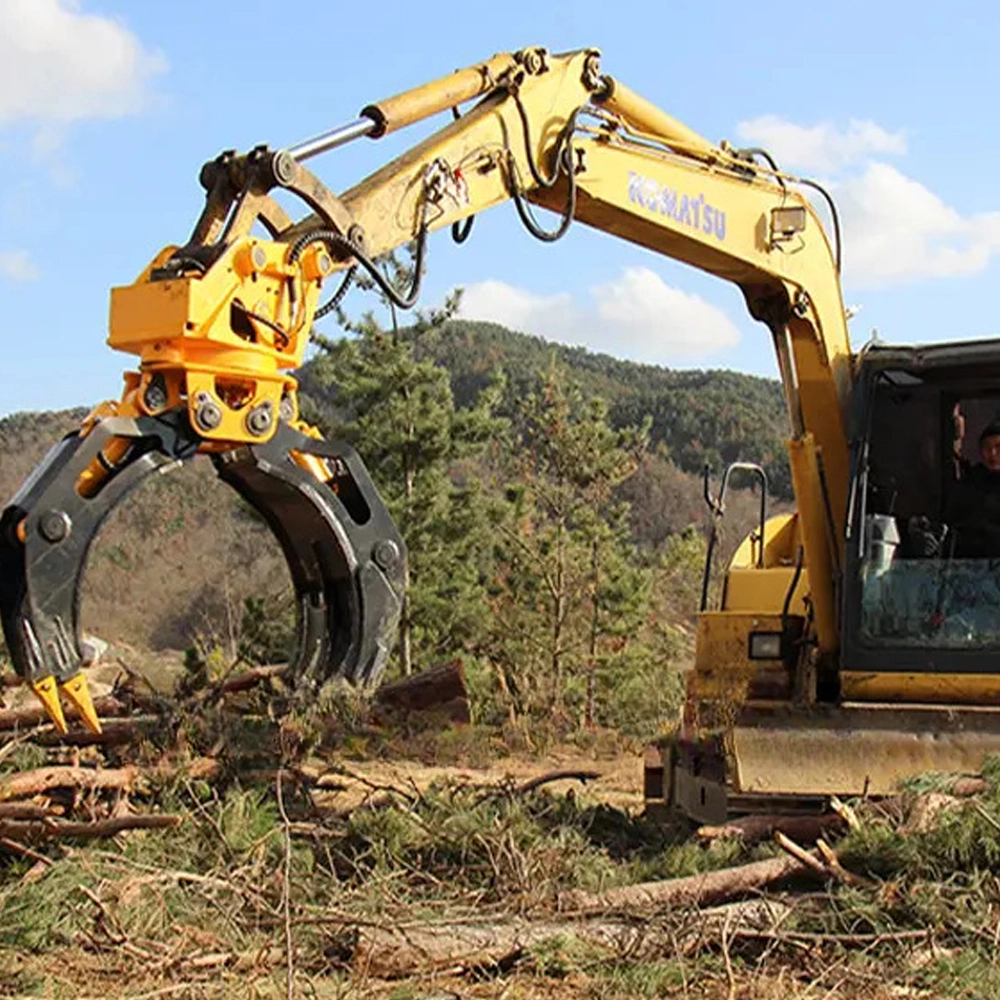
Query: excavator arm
x=219, y=323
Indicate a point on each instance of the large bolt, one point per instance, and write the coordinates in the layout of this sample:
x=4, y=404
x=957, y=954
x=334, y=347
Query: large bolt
x=208, y=413
x=286, y=411
x=260, y=418
x=386, y=554
x=283, y=167
x=54, y=526
x=155, y=396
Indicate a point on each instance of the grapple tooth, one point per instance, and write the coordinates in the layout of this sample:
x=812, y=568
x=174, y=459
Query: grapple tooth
x=47, y=692
x=78, y=692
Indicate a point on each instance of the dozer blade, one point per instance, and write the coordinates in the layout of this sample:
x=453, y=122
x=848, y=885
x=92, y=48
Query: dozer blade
x=345, y=556
x=785, y=758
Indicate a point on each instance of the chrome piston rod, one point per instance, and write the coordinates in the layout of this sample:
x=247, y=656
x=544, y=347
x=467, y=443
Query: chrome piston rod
x=330, y=140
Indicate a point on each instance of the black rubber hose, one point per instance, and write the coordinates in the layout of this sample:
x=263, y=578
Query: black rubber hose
x=460, y=230
x=335, y=241
x=564, y=160
x=833, y=214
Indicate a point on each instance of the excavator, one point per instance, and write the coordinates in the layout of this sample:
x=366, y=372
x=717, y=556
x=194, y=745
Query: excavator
x=837, y=654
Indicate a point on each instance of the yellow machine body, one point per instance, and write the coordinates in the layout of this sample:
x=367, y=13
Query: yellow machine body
x=777, y=704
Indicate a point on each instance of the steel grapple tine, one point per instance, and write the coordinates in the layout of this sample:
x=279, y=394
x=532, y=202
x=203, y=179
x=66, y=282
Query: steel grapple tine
x=345, y=557
x=45, y=536
x=344, y=553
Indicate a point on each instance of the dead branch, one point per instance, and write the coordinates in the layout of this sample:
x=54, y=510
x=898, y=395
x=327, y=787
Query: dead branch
x=25, y=852
x=846, y=813
x=550, y=776
x=44, y=779
x=693, y=890
x=22, y=810
x=832, y=862
x=248, y=679
x=51, y=829
x=802, y=855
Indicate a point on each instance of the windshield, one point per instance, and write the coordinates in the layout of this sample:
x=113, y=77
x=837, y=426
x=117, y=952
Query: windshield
x=930, y=542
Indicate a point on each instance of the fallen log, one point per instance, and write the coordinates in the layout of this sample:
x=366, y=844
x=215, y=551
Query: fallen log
x=440, y=691
x=44, y=779
x=693, y=890
x=34, y=715
x=51, y=829
x=395, y=952
x=754, y=829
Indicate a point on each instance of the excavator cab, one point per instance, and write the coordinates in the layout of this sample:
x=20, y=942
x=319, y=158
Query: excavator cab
x=915, y=684
x=921, y=608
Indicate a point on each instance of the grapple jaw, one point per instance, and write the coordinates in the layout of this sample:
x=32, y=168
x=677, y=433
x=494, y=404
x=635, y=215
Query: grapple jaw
x=345, y=557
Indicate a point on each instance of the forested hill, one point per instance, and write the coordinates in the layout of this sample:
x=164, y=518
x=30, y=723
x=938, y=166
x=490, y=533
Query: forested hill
x=700, y=416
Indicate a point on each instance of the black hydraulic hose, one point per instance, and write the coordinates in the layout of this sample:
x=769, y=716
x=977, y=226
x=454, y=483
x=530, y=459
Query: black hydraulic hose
x=564, y=159
x=546, y=236
x=335, y=241
x=338, y=296
x=460, y=230
x=532, y=166
x=765, y=155
x=831, y=204
x=786, y=607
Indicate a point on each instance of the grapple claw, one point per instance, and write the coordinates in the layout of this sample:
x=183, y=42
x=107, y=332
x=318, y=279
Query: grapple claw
x=78, y=692
x=345, y=556
x=47, y=692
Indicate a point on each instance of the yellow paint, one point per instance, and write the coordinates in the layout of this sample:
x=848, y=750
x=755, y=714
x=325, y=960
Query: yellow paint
x=850, y=761
x=923, y=688
x=48, y=694
x=78, y=692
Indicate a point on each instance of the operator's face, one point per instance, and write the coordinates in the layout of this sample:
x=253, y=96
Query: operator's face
x=989, y=450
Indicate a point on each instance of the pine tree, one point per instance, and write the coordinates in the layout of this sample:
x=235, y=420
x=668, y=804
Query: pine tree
x=569, y=583
x=400, y=413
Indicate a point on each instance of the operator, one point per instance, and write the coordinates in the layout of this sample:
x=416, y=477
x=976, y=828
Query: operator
x=974, y=508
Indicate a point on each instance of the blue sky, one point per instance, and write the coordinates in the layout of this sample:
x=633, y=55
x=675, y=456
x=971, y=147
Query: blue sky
x=108, y=108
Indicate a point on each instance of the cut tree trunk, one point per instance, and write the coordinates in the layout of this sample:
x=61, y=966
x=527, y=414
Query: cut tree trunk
x=462, y=946
x=34, y=715
x=51, y=829
x=440, y=691
x=754, y=829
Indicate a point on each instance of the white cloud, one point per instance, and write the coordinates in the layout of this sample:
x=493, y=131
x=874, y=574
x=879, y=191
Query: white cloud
x=898, y=230
x=551, y=316
x=895, y=229
x=16, y=265
x=59, y=64
x=638, y=316
x=822, y=148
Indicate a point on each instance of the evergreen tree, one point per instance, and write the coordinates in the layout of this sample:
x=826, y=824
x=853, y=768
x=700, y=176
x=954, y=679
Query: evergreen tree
x=400, y=413
x=569, y=587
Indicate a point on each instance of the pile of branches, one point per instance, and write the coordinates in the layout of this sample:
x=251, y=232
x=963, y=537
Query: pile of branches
x=230, y=852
